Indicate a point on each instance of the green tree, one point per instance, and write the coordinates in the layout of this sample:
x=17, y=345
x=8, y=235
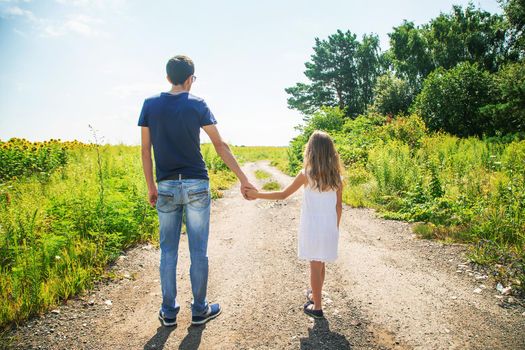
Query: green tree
x=451, y=100
x=468, y=34
x=507, y=113
x=515, y=14
x=409, y=54
x=369, y=68
x=464, y=35
x=307, y=98
x=342, y=72
x=393, y=95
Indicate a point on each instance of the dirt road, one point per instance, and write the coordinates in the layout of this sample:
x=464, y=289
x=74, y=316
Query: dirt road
x=388, y=290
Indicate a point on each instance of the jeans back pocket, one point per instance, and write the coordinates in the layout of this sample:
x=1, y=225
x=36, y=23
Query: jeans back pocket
x=166, y=202
x=199, y=198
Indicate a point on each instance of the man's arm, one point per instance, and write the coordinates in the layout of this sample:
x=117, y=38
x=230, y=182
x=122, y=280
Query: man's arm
x=223, y=150
x=147, y=165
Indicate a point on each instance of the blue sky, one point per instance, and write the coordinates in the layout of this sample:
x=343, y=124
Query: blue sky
x=65, y=64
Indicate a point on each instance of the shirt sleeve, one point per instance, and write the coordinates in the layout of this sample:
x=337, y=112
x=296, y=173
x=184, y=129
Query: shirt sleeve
x=206, y=116
x=143, y=118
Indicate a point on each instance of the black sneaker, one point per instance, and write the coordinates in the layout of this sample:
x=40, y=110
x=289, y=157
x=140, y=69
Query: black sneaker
x=311, y=312
x=214, y=310
x=167, y=322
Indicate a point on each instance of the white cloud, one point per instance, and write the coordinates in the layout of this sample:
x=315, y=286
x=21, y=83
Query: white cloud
x=15, y=11
x=98, y=4
x=79, y=24
x=82, y=25
x=74, y=24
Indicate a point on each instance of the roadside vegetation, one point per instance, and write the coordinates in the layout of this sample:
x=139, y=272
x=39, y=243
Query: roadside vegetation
x=68, y=209
x=431, y=130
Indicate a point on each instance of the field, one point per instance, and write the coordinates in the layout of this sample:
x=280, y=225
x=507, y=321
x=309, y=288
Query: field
x=68, y=209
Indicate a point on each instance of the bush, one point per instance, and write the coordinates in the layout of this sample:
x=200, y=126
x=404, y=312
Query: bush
x=451, y=100
x=392, y=96
x=507, y=113
x=409, y=129
x=392, y=167
x=357, y=137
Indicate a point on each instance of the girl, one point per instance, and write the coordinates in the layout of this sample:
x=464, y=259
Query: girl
x=320, y=213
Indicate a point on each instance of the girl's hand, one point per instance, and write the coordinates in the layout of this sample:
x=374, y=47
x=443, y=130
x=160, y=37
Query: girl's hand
x=251, y=193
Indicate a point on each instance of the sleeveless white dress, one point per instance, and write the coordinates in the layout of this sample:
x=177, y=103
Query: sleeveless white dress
x=318, y=232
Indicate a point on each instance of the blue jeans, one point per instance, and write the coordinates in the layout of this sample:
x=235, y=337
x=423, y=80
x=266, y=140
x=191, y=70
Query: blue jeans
x=193, y=197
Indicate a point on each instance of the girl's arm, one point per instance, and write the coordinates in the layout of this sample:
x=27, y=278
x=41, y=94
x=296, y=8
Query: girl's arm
x=339, y=205
x=294, y=186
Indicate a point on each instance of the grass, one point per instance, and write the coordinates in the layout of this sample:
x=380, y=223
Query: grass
x=261, y=174
x=424, y=230
x=271, y=186
x=59, y=233
x=61, y=224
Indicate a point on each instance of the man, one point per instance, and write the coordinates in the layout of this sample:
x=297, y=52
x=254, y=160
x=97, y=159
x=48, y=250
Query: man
x=171, y=122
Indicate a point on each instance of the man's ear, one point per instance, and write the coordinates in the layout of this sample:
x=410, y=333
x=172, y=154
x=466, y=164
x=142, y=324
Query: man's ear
x=169, y=80
x=187, y=83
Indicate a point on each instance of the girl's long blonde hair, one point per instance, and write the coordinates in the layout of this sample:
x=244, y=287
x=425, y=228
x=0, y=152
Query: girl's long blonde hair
x=322, y=166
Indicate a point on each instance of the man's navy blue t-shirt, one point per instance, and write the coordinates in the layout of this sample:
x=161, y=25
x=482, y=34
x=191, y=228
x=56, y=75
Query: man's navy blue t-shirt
x=174, y=121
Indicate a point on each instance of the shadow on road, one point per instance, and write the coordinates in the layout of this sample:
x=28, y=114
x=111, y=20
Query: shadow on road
x=320, y=337
x=192, y=340
x=159, y=339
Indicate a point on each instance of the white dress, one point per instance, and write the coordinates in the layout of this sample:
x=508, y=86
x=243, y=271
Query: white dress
x=318, y=232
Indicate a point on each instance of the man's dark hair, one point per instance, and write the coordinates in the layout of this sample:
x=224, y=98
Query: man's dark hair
x=179, y=68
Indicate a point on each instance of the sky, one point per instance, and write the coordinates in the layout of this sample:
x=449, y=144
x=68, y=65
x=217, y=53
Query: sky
x=67, y=64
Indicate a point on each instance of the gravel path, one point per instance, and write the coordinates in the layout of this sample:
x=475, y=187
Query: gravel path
x=388, y=290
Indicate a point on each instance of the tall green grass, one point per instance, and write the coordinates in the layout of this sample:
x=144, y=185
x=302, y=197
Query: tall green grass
x=56, y=236
x=58, y=232
x=469, y=190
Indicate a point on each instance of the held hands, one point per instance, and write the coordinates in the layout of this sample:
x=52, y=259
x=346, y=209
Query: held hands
x=248, y=187
x=251, y=194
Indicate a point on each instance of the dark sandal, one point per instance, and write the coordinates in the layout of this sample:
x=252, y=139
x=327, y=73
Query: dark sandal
x=311, y=312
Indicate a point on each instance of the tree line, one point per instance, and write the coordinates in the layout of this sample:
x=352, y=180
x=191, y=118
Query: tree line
x=463, y=72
